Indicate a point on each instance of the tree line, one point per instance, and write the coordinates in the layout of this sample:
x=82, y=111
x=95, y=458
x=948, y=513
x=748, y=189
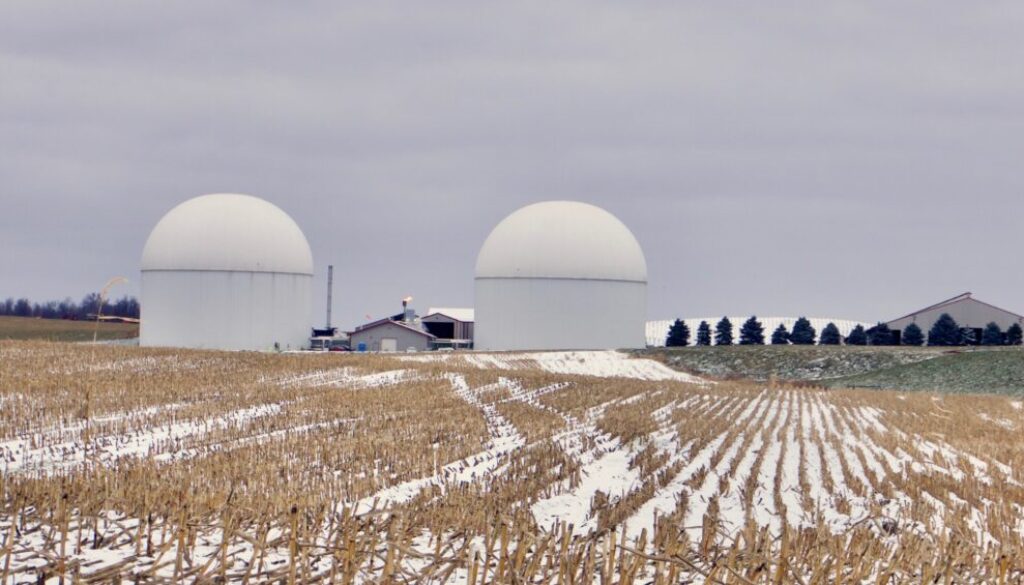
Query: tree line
x=945, y=332
x=68, y=309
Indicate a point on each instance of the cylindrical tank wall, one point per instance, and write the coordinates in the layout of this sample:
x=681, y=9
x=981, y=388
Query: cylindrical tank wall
x=552, y=313
x=225, y=309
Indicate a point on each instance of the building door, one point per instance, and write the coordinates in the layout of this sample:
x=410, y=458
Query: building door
x=389, y=344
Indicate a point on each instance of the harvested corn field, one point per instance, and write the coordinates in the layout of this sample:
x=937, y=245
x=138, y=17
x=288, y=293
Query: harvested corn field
x=157, y=466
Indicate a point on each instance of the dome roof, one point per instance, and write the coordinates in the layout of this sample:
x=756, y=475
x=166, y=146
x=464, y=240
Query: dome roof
x=228, y=232
x=562, y=239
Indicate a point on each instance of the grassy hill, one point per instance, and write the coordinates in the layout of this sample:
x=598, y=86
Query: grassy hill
x=995, y=370
x=62, y=330
x=790, y=362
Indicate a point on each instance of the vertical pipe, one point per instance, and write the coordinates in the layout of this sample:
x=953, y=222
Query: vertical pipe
x=330, y=290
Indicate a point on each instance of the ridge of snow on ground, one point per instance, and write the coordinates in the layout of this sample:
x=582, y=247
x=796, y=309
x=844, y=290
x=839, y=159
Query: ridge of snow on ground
x=605, y=364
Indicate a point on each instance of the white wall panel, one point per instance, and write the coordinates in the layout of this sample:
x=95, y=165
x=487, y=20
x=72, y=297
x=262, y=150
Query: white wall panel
x=225, y=310
x=552, y=313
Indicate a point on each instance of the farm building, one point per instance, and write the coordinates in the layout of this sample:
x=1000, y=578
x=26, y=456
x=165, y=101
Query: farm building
x=452, y=327
x=226, y=271
x=390, y=335
x=560, y=275
x=969, y=313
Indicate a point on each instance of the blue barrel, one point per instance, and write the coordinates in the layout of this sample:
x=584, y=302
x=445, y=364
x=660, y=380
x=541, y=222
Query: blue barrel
x=362, y=346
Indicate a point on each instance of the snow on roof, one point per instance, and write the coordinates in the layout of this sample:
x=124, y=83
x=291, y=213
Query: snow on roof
x=459, y=314
x=657, y=331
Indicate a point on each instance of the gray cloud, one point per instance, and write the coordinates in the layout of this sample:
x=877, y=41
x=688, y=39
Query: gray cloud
x=837, y=159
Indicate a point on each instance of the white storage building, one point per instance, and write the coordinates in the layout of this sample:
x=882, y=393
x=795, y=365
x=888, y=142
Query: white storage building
x=226, y=271
x=657, y=331
x=560, y=275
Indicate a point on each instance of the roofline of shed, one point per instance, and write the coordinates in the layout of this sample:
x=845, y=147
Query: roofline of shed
x=443, y=314
x=382, y=322
x=957, y=298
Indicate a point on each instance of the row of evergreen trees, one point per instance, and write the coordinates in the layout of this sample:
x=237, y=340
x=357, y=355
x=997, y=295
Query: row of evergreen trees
x=945, y=332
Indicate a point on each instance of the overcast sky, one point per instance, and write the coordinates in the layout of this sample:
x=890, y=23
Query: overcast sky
x=850, y=160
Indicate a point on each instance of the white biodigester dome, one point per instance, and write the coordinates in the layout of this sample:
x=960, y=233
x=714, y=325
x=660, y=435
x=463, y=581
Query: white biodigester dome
x=228, y=231
x=226, y=271
x=562, y=239
x=560, y=275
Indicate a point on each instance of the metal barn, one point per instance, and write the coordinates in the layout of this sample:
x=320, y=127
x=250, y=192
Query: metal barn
x=453, y=328
x=969, y=313
x=388, y=335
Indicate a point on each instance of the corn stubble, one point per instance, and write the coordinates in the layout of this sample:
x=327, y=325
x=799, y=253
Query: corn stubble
x=206, y=467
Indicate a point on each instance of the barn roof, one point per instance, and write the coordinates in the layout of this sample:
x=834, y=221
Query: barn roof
x=464, y=315
x=383, y=322
x=967, y=296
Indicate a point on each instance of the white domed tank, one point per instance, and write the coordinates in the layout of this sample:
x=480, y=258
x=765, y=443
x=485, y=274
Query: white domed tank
x=226, y=271
x=560, y=275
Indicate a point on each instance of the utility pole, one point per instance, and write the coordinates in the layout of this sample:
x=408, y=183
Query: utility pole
x=330, y=291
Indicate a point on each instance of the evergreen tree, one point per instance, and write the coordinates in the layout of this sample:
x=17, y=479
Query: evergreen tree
x=723, y=332
x=992, y=335
x=880, y=334
x=912, y=335
x=1014, y=335
x=780, y=336
x=703, y=334
x=678, y=335
x=803, y=333
x=752, y=332
x=857, y=337
x=945, y=332
x=830, y=335
x=22, y=308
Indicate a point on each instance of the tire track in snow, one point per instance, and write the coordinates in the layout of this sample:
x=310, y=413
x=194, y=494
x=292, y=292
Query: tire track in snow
x=20, y=456
x=665, y=500
x=820, y=458
x=732, y=508
x=763, y=502
x=789, y=472
x=105, y=449
x=348, y=377
x=504, y=438
x=611, y=474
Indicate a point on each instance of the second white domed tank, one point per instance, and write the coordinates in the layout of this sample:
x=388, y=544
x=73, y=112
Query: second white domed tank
x=560, y=275
x=226, y=271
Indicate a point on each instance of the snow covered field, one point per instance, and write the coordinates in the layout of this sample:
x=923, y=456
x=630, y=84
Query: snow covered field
x=460, y=468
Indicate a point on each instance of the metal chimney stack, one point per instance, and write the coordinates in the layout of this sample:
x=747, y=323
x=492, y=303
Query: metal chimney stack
x=407, y=313
x=330, y=291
